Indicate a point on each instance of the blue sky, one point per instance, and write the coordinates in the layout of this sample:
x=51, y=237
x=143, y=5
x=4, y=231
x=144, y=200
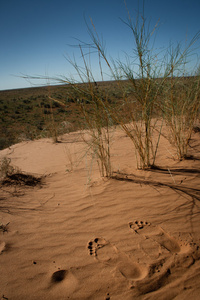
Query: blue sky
x=35, y=35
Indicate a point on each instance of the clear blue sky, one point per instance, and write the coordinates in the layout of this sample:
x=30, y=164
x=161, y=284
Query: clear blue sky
x=35, y=34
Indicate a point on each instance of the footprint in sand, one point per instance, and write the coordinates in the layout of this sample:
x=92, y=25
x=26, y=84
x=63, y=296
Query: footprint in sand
x=166, y=241
x=158, y=244
x=136, y=225
x=164, y=271
x=96, y=244
x=107, y=253
x=157, y=235
x=175, y=257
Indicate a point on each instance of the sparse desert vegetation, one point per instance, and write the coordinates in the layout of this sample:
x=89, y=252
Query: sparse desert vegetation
x=26, y=114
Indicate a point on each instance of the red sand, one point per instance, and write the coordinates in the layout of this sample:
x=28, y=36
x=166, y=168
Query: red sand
x=83, y=237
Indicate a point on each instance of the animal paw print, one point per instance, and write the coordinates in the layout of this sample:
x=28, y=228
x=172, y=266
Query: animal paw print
x=137, y=225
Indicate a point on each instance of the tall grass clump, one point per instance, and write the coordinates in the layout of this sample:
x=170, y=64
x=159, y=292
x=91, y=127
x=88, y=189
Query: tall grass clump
x=139, y=91
x=181, y=101
x=92, y=103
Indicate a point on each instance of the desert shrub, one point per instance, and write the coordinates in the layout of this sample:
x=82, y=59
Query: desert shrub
x=47, y=112
x=70, y=100
x=8, y=137
x=55, y=105
x=28, y=107
x=47, y=105
x=26, y=101
x=61, y=110
x=3, y=143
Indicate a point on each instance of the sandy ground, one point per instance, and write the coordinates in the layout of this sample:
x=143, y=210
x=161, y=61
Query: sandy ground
x=79, y=236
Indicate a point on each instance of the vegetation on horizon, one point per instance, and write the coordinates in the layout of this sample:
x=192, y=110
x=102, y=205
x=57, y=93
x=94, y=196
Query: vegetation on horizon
x=26, y=114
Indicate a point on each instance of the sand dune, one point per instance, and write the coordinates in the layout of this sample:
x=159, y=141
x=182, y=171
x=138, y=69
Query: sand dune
x=79, y=236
